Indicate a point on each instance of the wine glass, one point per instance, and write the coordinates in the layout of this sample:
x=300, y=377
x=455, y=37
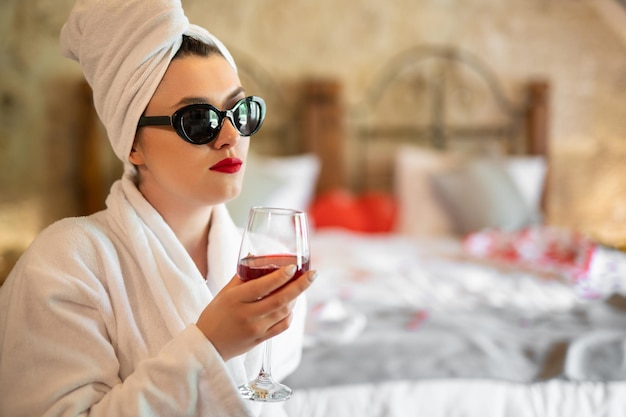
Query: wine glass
x=273, y=238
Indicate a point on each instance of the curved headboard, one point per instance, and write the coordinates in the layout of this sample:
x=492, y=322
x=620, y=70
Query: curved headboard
x=435, y=96
x=450, y=82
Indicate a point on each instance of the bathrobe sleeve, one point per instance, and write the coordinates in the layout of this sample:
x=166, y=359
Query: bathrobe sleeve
x=60, y=348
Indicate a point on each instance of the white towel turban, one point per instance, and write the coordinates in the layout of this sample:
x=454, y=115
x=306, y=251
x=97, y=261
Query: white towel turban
x=124, y=48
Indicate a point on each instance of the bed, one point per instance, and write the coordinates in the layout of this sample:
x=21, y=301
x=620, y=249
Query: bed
x=461, y=300
x=467, y=302
x=399, y=327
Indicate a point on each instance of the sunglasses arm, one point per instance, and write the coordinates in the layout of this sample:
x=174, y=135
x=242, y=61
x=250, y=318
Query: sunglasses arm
x=154, y=121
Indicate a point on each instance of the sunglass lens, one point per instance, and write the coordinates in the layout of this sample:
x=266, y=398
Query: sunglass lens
x=200, y=124
x=247, y=117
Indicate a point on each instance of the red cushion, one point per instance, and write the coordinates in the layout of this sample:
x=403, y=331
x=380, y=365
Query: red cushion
x=380, y=209
x=372, y=212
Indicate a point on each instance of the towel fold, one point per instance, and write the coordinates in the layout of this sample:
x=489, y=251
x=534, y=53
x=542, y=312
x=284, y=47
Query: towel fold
x=597, y=356
x=124, y=48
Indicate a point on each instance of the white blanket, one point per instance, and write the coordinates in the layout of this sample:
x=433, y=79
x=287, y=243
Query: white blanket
x=463, y=397
x=98, y=316
x=401, y=327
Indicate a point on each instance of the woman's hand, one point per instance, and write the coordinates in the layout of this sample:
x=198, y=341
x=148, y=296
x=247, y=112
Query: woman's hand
x=244, y=314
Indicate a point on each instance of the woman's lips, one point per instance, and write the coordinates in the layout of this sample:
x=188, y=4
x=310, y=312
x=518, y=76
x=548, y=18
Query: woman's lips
x=228, y=165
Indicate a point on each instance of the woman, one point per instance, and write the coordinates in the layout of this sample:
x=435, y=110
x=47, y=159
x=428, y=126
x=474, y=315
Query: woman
x=136, y=310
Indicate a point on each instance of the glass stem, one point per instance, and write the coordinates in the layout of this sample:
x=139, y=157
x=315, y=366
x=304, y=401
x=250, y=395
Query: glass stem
x=266, y=365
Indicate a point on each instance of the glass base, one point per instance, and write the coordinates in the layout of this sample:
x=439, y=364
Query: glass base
x=265, y=389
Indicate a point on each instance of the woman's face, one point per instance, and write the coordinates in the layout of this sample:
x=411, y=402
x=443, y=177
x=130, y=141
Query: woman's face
x=175, y=172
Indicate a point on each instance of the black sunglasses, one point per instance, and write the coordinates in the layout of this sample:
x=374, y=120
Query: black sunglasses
x=201, y=123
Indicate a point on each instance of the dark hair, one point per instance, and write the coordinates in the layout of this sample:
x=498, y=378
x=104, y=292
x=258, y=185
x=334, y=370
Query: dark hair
x=192, y=46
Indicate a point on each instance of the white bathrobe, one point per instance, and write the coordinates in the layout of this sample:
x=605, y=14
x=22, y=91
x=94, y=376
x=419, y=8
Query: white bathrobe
x=97, y=319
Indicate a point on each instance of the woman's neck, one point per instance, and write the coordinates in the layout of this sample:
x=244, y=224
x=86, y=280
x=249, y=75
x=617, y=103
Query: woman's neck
x=190, y=222
x=193, y=232
x=191, y=227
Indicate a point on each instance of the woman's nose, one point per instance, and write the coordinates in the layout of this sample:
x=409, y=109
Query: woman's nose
x=227, y=136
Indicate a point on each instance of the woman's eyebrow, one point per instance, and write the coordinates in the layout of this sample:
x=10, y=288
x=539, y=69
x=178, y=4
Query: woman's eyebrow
x=237, y=92
x=202, y=100
x=191, y=100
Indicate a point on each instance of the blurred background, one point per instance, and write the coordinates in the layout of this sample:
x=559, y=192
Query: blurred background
x=579, y=46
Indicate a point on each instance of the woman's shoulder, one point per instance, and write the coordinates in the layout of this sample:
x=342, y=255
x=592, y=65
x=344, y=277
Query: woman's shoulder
x=74, y=232
x=68, y=254
x=80, y=241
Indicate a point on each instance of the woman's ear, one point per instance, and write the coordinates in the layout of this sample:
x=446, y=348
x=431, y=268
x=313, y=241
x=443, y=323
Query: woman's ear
x=136, y=156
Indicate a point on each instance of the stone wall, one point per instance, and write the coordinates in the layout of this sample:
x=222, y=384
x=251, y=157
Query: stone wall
x=564, y=41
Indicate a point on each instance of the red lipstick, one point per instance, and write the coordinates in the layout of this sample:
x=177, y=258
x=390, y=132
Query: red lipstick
x=228, y=165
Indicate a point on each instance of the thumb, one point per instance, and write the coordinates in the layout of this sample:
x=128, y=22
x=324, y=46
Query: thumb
x=234, y=281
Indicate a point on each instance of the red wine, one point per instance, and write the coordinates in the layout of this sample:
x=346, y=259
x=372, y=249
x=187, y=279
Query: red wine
x=253, y=267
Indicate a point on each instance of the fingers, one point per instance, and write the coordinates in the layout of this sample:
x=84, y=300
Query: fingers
x=274, y=308
x=243, y=314
x=278, y=327
x=262, y=287
x=278, y=305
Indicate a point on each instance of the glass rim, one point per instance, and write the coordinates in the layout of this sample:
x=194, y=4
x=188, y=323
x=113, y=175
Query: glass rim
x=276, y=210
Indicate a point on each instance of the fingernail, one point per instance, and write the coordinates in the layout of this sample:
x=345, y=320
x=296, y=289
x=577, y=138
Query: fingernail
x=313, y=276
x=290, y=270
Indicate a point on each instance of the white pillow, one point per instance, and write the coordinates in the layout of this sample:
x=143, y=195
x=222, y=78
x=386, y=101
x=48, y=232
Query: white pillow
x=287, y=182
x=529, y=175
x=420, y=212
x=481, y=194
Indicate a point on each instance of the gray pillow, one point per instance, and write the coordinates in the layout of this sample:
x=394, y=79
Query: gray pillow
x=480, y=194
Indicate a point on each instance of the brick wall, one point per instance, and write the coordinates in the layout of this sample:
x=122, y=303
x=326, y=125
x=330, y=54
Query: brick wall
x=564, y=41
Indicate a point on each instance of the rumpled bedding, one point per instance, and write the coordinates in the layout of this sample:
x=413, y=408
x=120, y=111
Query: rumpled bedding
x=462, y=397
x=392, y=316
